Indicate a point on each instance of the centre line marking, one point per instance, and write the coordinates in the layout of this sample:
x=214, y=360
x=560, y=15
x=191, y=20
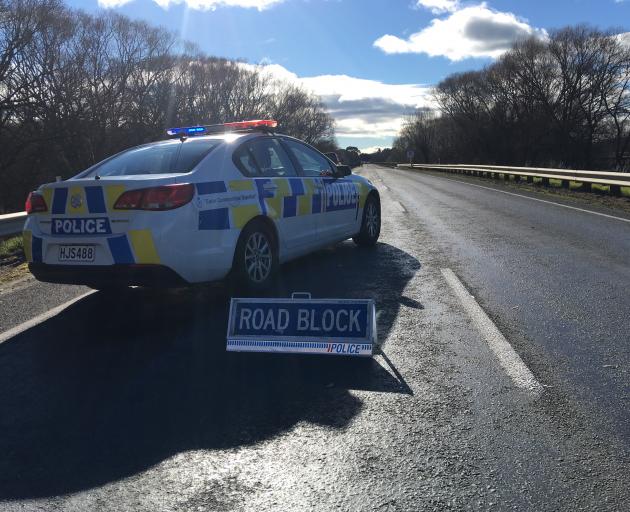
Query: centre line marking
x=18, y=329
x=511, y=362
x=542, y=200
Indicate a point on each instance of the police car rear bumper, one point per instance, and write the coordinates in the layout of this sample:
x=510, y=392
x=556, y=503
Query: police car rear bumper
x=108, y=275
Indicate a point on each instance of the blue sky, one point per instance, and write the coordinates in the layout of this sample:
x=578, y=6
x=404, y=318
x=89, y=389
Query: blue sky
x=370, y=60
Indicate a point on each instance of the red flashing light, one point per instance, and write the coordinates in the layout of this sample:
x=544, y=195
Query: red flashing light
x=259, y=123
x=35, y=203
x=166, y=197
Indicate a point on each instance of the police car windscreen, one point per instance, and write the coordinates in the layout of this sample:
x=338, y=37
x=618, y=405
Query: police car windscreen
x=161, y=158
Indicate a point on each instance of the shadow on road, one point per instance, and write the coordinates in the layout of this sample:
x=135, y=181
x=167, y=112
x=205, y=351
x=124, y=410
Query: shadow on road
x=112, y=386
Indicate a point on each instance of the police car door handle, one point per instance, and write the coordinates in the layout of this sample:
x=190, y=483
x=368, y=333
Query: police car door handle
x=270, y=187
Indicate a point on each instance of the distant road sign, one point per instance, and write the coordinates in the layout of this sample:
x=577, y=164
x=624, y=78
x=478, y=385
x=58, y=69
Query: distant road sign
x=309, y=326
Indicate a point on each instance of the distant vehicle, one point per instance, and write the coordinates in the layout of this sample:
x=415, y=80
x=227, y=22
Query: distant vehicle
x=333, y=156
x=233, y=199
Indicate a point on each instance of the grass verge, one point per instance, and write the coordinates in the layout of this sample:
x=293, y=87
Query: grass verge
x=11, y=247
x=12, y=260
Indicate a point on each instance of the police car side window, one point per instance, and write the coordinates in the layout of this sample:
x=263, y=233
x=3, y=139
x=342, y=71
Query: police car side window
x=263, y=157
x=244, y=160
x=312, y=163
x=271, y=159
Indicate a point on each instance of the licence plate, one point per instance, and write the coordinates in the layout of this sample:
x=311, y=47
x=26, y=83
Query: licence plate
x=77, y=253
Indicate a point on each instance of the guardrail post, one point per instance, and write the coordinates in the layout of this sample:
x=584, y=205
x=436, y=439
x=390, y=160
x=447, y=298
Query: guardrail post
x=586, y=187
x=545, y=182
x=615, y=190
x=566, y=184
x=530, y=179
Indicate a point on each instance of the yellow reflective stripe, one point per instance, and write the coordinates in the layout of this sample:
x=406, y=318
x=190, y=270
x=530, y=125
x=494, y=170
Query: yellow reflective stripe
x=48, y=195
x=27, y=237
x=305, y=202
x=82, y=208
x=274, y=207
x=363, y=193
x=241, y=215
x=240, y=185
x=274, y=204
x=143, y=246
x=112, y=193
x=283, y=187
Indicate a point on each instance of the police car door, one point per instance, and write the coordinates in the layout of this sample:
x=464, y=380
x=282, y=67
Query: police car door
x=279, y=190
x=340, y=198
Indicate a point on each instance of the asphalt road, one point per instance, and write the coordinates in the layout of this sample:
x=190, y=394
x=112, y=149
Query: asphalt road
x=131, y=403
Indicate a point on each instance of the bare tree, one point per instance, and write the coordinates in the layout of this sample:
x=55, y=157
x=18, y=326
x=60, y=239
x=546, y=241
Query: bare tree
x=76, y=87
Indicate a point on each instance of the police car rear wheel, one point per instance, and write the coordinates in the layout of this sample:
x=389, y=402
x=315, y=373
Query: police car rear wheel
x=256, y=257
x=370, y=225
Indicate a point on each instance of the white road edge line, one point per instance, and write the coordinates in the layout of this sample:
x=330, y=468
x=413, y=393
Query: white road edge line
x=511, y=362
x=543, y=201
x=18, y=329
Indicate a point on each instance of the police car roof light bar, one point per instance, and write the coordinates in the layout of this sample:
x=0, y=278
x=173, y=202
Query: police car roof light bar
x=240, y=126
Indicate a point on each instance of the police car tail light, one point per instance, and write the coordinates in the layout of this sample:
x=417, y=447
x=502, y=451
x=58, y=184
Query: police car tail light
x=166, y=197
x=35, y=203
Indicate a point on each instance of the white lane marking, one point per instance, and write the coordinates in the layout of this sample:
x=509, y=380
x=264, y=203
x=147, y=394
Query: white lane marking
x=543, y=201
x=6, y=335
x=511, y=362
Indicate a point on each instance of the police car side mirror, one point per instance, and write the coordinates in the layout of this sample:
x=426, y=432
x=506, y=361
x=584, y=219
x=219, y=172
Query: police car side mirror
x=344, y=170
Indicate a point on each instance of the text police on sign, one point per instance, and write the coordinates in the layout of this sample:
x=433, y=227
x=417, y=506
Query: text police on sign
x=314, y=326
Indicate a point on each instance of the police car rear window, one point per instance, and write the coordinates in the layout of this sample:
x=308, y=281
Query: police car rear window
x=162, y=158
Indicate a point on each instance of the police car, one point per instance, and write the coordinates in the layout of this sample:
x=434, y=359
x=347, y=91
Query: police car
x=212, y=201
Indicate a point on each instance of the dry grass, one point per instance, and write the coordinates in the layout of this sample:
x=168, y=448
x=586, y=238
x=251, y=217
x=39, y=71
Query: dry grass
x=12, y=260
x=11, y=273
x=11, y=247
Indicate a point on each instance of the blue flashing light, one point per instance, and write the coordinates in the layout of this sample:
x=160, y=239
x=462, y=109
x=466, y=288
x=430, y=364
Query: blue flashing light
x=190, y=130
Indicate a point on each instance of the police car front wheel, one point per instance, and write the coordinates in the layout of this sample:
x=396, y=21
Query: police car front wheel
x=256, y=257
x=371, y=223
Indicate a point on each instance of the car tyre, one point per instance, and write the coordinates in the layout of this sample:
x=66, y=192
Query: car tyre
x=370, y=224
x=256, y=258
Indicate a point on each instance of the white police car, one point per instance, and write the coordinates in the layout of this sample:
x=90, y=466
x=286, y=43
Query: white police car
x=233, y=199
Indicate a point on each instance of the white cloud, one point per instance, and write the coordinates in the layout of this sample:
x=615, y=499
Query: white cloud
x=362, y=108
x=475, y=31
x=112, y=3
x=439, y=6
x=202, y=5
x=372, y=149
x=624, y=38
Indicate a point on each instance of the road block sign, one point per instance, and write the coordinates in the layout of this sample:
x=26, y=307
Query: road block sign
x=303, y=326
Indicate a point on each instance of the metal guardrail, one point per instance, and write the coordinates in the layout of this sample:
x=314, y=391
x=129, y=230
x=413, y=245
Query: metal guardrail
x=614, y=180
x=12, y=223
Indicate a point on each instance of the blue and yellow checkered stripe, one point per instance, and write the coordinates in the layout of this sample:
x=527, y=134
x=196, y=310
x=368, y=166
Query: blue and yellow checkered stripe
x=94, y=199
x=133, y=247
x=293, y=197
